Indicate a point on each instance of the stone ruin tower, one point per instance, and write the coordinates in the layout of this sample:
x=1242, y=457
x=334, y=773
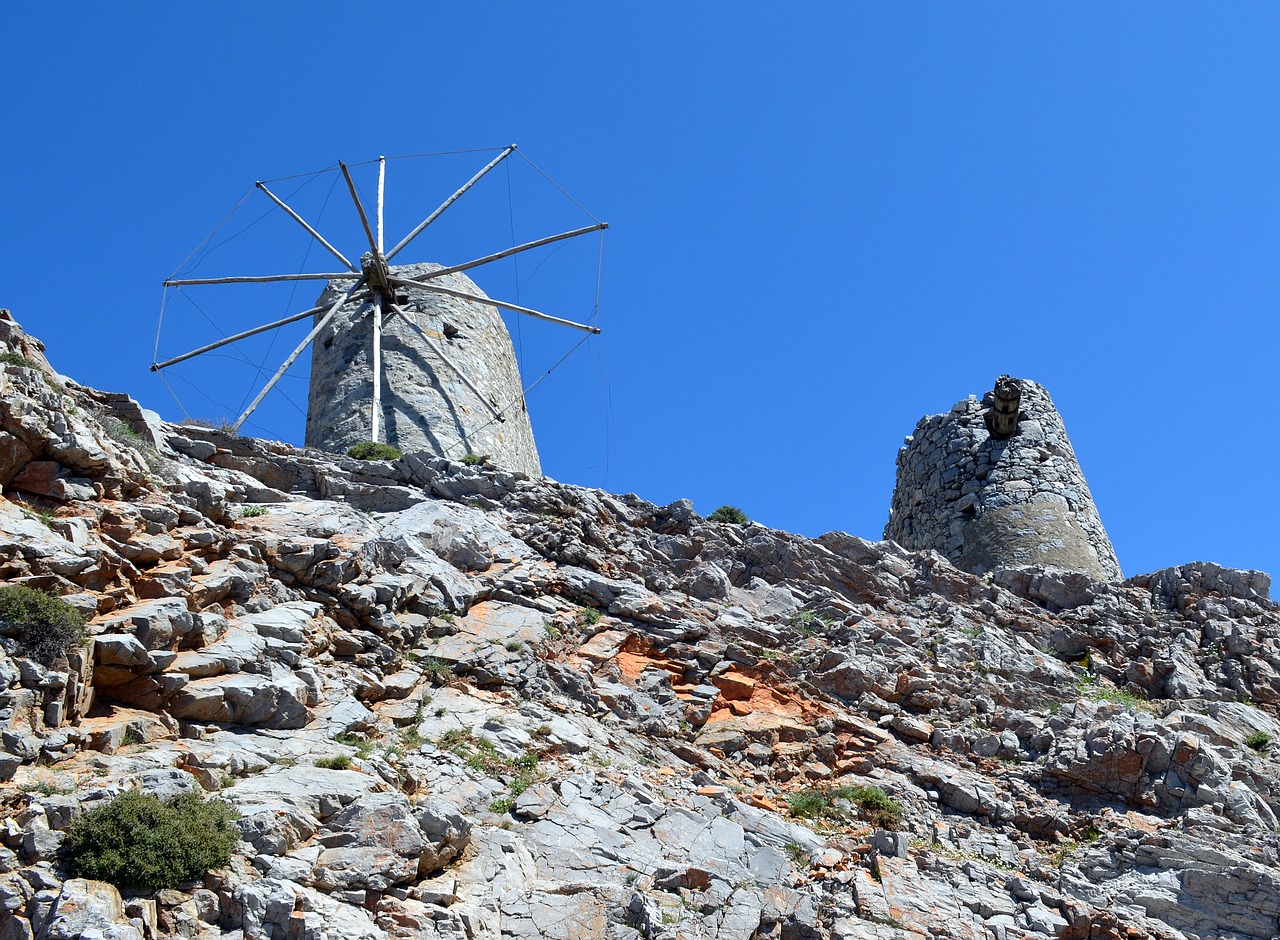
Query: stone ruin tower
x=451, y=385
x=995, y=483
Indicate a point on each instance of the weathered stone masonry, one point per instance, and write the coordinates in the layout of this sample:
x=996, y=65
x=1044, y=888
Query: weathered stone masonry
x=426, y=404
x=986, y=503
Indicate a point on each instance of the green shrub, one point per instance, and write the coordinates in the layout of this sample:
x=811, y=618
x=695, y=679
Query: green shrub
x=589, y=616
x=1258, y=740
x=874, y=805
x=138, y=841
x=871, y=803
x=798, y=854
x=730, y=514
x=807, y=803
x=372, y=450
x=250, y=512
x=46, y=627
x=436, y=671
x=473, y=460
x=18, y=359
x=337, y=762
x=364, y=746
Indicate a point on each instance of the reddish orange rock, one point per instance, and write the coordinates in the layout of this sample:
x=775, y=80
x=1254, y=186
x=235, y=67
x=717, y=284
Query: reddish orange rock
x=734, y=686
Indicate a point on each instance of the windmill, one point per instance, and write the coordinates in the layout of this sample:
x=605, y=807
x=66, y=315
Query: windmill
x=378, y=290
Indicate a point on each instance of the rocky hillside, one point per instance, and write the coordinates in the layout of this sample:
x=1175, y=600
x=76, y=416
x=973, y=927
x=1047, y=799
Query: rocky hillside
x=452, y=701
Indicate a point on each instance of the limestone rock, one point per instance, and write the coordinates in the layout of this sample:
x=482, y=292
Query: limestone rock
x=427, y=404
x=456, y=701
x=88, y=909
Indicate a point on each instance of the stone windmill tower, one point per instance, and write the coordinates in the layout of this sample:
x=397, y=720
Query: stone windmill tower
x=995, y=483
x=449, y=380
x=416, y=356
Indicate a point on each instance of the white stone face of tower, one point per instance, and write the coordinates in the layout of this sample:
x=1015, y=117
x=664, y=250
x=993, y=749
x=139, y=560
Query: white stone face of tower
x=986, y=503
x=448, y=369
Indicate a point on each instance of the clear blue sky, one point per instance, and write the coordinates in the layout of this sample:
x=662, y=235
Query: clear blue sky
x=828, y=219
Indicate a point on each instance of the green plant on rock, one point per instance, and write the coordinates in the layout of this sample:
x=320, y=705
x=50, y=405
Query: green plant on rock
x=798, y=854
x=364, y=746
x=436, y=671
x=138, y=841
x=372, y=450
x=588, y=616
x=808, y=803
x=474, y=460
x=18, y=359
x=873, y=804
x=45, y=627
x=250, y=512
x=1258, y=741
x=730, y=514
x=870, y=803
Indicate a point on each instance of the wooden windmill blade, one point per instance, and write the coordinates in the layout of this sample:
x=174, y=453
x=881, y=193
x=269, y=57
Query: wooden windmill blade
x=377, y=286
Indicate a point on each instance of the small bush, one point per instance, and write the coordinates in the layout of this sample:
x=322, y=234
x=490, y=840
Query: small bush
x=807, y=803
x=871, y=803
x=874, y=805
x=589, y=616
x=138, y=841
x=337, y=762
x=730, y=514
x=46, y=627
x=474, y=460
x=251, y=512
x=364, y=746
x=225, y=425
x=372, y=450
x=1258, y=740
x=18, y=359
x=436, y=671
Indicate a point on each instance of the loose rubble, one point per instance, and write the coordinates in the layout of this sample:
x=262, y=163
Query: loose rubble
x=453, y=701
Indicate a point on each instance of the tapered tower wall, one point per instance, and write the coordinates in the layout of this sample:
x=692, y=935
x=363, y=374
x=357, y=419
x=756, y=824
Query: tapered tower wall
x=427, y=404
x=986, y=503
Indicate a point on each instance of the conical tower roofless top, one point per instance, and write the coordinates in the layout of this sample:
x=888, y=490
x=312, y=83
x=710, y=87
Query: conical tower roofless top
x=450, y=382
x=995, y=483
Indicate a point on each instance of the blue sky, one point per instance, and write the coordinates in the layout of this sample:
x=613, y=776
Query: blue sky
x=827, y=220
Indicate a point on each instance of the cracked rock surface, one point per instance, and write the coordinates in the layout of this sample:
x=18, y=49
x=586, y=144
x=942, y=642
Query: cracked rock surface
x=453, y=701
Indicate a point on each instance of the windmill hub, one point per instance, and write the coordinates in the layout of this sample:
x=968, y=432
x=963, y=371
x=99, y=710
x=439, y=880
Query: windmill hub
x=376, y=274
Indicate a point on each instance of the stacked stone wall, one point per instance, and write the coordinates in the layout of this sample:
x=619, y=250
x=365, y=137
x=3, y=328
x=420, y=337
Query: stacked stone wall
x=986, y=503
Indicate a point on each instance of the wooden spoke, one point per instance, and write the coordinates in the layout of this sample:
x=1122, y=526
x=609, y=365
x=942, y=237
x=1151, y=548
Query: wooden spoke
x=516, y=308
x=297, y=218
x=364, y=219
x=156, y=366
x=511, y=251
x=450, y=201
x=260, y=279
x=293, y=356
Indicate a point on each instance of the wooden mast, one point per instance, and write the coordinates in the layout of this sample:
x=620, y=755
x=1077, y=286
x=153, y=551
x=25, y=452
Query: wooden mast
x=375, y=422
